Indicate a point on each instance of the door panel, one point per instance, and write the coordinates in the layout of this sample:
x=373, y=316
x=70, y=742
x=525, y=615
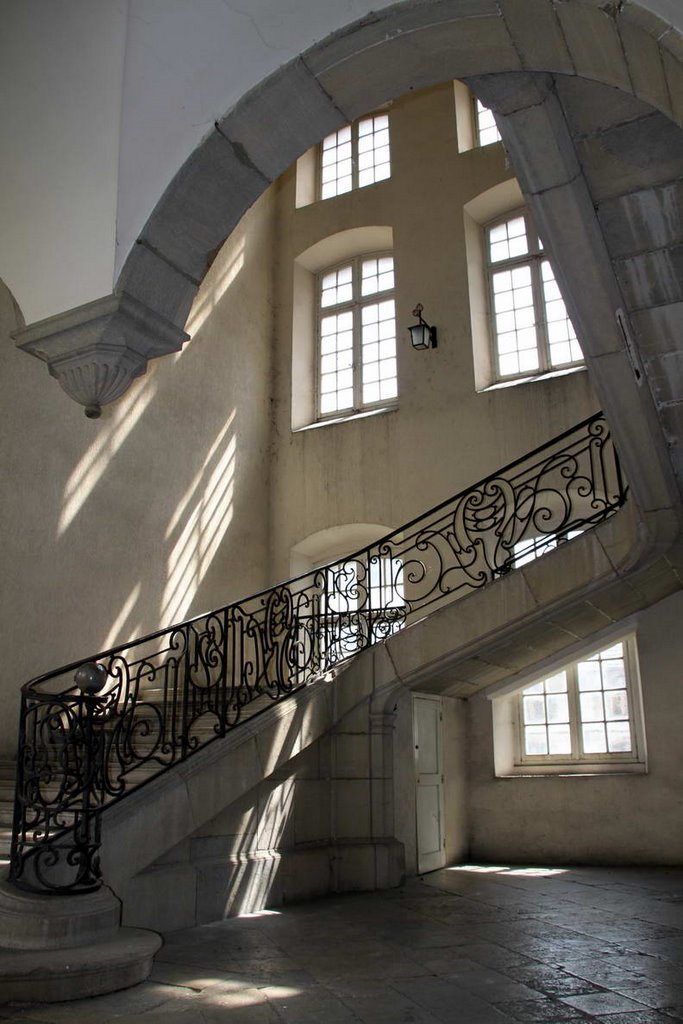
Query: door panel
x=429, y=783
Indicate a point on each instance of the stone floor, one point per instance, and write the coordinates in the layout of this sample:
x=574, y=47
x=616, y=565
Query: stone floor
x=467, y=945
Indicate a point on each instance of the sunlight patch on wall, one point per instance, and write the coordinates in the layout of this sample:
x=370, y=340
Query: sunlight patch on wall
x=211, y=293
x=93, y=464
x=252, y=877
x=200, y=521
x=122, y=619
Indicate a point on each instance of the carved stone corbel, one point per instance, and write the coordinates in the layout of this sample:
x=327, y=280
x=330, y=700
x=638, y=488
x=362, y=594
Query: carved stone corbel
x=96, y=351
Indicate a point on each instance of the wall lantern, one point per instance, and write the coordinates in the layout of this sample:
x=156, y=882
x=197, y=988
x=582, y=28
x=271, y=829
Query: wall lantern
x=421, y=334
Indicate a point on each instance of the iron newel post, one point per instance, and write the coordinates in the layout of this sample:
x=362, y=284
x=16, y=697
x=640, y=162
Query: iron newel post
x=90, y=679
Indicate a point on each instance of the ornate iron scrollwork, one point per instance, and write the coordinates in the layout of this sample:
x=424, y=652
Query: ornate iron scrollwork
x=144, y=706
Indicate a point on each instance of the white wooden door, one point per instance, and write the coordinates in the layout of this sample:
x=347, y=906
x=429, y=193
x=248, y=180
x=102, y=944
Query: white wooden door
x=427, y=719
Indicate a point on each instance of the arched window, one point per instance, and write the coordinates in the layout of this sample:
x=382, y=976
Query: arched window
x=343, y=328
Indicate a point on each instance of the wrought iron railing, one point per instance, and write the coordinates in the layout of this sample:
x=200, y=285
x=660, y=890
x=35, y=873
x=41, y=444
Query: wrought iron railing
x=143, y=706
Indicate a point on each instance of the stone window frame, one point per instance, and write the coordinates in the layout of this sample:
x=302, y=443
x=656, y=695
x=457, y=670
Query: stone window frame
x=510, y=760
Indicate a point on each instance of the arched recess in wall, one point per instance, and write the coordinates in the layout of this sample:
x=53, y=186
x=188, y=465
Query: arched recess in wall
x=332, y=544
x=324, y=253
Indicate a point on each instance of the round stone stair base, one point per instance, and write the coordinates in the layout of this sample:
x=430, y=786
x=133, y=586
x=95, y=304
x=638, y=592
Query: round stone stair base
x=57, y=975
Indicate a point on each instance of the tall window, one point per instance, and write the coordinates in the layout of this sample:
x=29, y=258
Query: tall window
x=584, y=713
x=486, y=129
x=355, y=156
x=357, y=336
x=532, y=332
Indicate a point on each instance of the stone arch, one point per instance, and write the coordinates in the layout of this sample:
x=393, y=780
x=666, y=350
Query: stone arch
x=384, y=55
x=513, y=54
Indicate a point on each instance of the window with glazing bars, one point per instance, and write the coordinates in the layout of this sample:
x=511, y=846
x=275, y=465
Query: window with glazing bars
x=355, y=156
x=357, y=336
x=532, y=332
x=585, y=712
x=486, y=129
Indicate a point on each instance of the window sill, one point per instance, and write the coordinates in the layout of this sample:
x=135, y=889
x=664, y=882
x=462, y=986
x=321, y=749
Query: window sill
x=584, y=771
x=348, y=418
x=514, y=381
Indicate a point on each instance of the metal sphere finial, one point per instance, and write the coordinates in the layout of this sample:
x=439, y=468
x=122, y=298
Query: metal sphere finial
x=90, y=677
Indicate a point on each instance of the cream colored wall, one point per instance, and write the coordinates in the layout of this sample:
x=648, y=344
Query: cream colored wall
x=444, y=436
x=116, y=527
x=612, y=819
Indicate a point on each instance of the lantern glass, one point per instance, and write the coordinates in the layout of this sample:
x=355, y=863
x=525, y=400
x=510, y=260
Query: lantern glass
x=419, y=336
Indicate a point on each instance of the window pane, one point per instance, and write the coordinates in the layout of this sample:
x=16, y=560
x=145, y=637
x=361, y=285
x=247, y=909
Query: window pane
x=336, y=287
x=487, y=130
x=613, y=674
x=513, y=307
x=563, y=343
x=619, y=737
x=559, y=739
x=616, y=705
x=377, y=275
x=558, y=683
x=371, y=393
x=591, y=707
x=594, y=741
x=378, y=360
x=336, y=360
x=557, y=707
x=616, y=651
x=534, y=710
x=373, y=147
x=589, y=675
x=336, y=163
x=507, y=240
x=535, y=740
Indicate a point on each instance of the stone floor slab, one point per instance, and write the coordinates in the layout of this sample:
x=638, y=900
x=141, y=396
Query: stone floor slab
x=469, y=945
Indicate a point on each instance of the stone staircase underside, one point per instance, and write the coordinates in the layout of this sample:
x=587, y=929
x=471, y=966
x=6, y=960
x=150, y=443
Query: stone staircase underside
x=542, y=609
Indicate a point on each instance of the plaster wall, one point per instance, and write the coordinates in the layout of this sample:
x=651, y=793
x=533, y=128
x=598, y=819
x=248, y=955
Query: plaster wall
x=116, y=527
x=61, y=76
x=444, y=435
x=608, y=819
